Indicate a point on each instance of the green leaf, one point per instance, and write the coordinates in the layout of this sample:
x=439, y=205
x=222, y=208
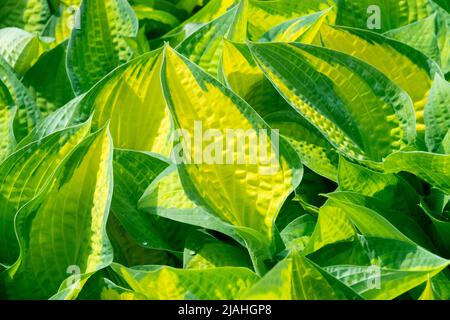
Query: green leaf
x=242, y=75
x=7, y=114
x=111, y=291
x=133, y=172
x=394, y=264
x=436, y=290
x=298, y=278
x=440, y=230
x=30, y=15
x=21, y=49
x=393, y=190
x=333, y=226
x=297, y=233
x=420, y=35
x=203, y=251
x=64, y=18
x=63, y=229
x=402, y=266
x=250, y=204
x=212, y=10
x=48, y=80
x=130, y=100
x=329, y=89
x=443, y=32
x=27, y=114
x=204, y=46
x=154, y=20
x=166, y=198
x=403, y=65
x=62, y=118
x=392, y=14
x=437, y=114
x=315, y=151
x=24, y=174
x=166, y=283
x=405, y=222
x=303, y=29
x=129, y=252
x=264, y=15
x=431, y=167
x=92, y=52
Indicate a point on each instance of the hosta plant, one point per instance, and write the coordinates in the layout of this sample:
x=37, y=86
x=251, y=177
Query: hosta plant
x=224, y=149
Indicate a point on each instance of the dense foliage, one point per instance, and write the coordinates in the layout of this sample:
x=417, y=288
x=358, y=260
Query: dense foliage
x=350, y=202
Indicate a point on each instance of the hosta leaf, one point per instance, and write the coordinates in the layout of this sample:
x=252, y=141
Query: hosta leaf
x=315, y=151
x=431, y=167
x=440, y=230
x=64, y=18
x=166, y=198
x=203, y=251
x=134, y=85
x=111, y=291
x=49, y=81
x=408, y=68
x=333, y=226
x=64, y=117
x=436, y=289
x=19, y=186
x=153, y=20
x=255, y=197
x=92, y=53
x=368, y=221
x=420, y=35
x=245, y=78
x=139, y=44
x=298, y=278
x=437, y=114
x=264, y=15
x=21, y=49
x=403, y=221
x=249, y=82
x=162, y=283
x=27, y=113
x=130, y=253
x=443, y=32
x=290, y=211
x=396, y=263
x=204, y=46
x=65, y=225
x=238, y=29
x=393, y=190
x=296, y=30
x=391, y=14
x=345, y=210
x=443, y=4
x=402, y=266
x=30, y=15
x=130, y=99
x=133, y=172
x=329, y=89
x=212, y=10
x=7, y=114
x=297, y=233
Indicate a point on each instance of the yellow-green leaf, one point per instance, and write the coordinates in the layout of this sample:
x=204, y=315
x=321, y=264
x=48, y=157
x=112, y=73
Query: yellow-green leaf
x=360, y=111
x=166, y=283
x=63, y=230
x=250, y=195
x=92, y=52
